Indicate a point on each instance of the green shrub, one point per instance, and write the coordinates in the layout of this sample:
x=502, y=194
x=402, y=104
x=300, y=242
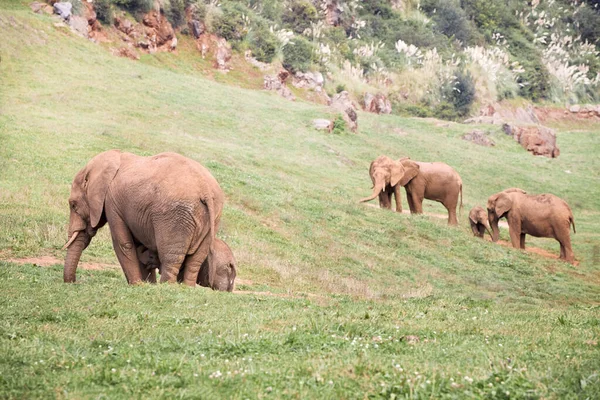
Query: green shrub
x=175, y=12
x=447, y=111
x=135, y=6
x=462, y=95
x=230, y=23
x=450, y=20
x=339, y=125
x=535, y=81
x=299, y=15
x=104, y=11
x=263, y=44
x=298, y=55
x=340, y=88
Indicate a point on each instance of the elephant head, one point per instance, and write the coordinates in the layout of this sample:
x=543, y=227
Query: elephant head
x=497, y=206
x=478, y=222
x=384, y=171
x=411, y=169
x=86, y=204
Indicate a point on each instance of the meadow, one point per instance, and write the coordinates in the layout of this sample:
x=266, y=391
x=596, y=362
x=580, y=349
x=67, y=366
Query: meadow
x=334, y=299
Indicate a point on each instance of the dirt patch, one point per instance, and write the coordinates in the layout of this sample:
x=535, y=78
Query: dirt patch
x=47, y=261
x=536, y=250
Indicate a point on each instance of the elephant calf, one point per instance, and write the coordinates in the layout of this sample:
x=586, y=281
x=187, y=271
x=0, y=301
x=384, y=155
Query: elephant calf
x=544, y=215
x=221, y=256
x=478, y=221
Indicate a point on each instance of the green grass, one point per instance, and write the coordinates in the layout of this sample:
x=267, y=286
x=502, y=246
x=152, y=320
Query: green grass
x=350, y=282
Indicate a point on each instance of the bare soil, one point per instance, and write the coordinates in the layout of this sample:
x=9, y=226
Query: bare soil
x=47, y=261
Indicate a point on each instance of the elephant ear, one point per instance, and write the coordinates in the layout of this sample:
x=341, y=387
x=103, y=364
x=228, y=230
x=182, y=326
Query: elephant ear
x=100, y=172
x=397, y=173
x=503, y=205
x=411, y=170
x=472, y=218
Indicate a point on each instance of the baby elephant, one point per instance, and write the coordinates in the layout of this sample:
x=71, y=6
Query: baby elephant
x=478, y=219
x=221, y=255
x=225, y=269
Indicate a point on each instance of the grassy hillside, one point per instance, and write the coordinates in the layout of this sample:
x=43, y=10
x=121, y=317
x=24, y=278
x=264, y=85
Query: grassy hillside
x=351, y=286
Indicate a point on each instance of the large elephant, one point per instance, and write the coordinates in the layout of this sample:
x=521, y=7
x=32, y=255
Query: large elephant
x=387, y=176
x=479, y=222
x=433, y=181
x=168, y=203
x=544, y=215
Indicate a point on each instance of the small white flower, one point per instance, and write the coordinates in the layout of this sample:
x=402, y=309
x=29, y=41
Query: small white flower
x=113, y=370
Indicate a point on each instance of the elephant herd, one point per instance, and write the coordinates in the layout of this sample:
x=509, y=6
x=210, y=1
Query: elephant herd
x=164, y=213
x=543, y=215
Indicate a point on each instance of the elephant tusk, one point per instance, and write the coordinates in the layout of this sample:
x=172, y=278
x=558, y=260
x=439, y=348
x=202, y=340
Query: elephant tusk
x=66, y=246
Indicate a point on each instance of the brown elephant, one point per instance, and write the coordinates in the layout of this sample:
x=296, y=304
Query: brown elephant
x=387, y=176
x=479, y=222
x=543, y=215
x=433, y=181
x=225, y=268
x=221, y=256
x=168, y=203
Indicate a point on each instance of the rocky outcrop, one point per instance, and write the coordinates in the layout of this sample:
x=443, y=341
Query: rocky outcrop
x=341, y=102
x=63, y=10
x=479, y=137
x=539, y=140
x=378, y=104
x=309, y=80
x=333, y=11
x=154, y=34
x=40, y=8
x=323, y=124
x=585, y=111
x=216, y=47
x=277, y=83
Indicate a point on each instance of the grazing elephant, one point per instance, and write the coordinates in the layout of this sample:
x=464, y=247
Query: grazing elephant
x=478, y=221
x=221, y=256
x=387, y=176
x=168, y=203
x=433, y=181
x=544, y=215
x=225, y=268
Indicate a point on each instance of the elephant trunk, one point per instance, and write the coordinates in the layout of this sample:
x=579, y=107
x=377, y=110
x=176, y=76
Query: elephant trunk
x=377, y=188
x=495, y=231
x=74, y=251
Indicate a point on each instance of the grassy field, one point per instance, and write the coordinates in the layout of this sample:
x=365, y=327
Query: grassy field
x=336, y=299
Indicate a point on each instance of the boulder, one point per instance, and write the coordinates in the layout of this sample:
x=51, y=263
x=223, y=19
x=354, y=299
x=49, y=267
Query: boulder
x=197, y=28
x=377, y=104
x=539, y=140
x=39, y=8
x=277, y=83
x=222, y=55
x=63, y=10
x=309, y=80
x=342, y=103
x=79, y=25
x=333, y=11
x=158, y=30
x=323, y=124
x=479, y=137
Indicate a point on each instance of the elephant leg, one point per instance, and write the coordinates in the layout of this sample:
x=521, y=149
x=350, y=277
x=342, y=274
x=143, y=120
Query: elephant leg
x=515, y=235
x=385, y=199
x=398, y=197
x=566, y=251
x=417, y=204
x=480, y=230
x=522, y=241
x=149, y=275
x=193, y=263
x=125, y=249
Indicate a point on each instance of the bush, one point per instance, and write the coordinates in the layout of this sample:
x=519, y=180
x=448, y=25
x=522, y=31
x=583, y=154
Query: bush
x=104, y=11
x=339, y=126
x=450, y=20
x=462, y=95
x=135, y=6
x=298, y=55
x=299, y=16
x=175, y=13
x=263, y=44
x=535, y=81
x=231, y=24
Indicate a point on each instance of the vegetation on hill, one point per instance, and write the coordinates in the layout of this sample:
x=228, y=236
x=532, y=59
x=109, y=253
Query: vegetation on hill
x=335, y=299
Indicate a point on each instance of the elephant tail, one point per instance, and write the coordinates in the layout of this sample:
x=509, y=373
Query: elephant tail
x=212, y=268
x=461, y=198
x=572, y=222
